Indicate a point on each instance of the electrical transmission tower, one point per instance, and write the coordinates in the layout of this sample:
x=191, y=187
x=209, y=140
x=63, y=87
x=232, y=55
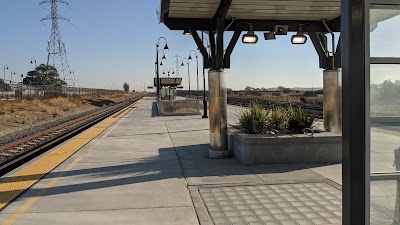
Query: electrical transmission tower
x=57, y=53
x=177, y=65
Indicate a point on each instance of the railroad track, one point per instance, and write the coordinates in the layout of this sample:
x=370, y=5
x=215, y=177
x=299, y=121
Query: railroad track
x=313, y=109
x=21, y=151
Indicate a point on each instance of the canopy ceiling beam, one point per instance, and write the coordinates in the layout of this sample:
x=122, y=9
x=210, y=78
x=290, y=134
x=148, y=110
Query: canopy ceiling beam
x=203, y=51
x=258, y=25
x=219, y=21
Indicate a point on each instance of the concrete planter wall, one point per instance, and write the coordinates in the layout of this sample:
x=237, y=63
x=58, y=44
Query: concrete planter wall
x=255, y=149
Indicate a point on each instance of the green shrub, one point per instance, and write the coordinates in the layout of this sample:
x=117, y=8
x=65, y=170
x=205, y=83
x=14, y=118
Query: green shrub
x=277, y=120
x=253, y=120
x=299, y=120
x=256, y=120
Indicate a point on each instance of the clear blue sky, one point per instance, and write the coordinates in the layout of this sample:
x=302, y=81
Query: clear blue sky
x=113, y=41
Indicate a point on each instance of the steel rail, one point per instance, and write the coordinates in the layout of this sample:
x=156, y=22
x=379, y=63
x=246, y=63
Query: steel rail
x=37, y=144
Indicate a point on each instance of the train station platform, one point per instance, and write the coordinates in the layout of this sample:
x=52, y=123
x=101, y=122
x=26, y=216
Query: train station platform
x=147, y=169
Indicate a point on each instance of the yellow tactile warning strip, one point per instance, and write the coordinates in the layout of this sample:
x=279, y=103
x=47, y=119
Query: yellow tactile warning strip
x=25, y=178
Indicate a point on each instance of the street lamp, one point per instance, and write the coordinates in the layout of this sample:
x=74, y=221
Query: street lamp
x=33, y=60
x=157, y=50
x=12, y=77
x=22, y=80
x=5, y=68
x=169, y=70
x=187, y=61
x=72, y=72
x=197, y=68
x=204, y=79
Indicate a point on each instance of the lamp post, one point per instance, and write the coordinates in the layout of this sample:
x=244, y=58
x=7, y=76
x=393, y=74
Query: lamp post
x=5, y=68
x=22, y=76
x=187, y=61
x=33, y=60
x=204, y=80
x=11, y=81
x=72, y=72
x=157, y=68
x=197, y=68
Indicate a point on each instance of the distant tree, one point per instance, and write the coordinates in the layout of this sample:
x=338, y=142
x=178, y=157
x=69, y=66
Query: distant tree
x=126, y=87
x=44, y=75
x=248, y=89
x=283, y=89
x=229, y=91
x=252, y=91
x=320, y=92
x=390, y=92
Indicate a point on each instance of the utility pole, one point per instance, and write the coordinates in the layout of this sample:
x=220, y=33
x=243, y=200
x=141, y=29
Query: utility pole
x=57, y=53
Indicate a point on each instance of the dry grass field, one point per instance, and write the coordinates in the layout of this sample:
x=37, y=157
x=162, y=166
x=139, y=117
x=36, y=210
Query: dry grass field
x=23, y=114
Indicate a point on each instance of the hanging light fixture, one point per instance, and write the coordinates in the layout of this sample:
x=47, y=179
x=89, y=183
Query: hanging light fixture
x=161, y=63
x=186, y=32
x=164, y=57
x=166, y=47
x=299, y=38
x=250, y=37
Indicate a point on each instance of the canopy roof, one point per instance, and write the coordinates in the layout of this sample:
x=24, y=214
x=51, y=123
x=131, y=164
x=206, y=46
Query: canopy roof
x=263, y=14
x=168, y=82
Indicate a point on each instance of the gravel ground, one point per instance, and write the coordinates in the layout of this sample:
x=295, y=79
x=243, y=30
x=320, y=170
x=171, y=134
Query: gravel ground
x=39, y=128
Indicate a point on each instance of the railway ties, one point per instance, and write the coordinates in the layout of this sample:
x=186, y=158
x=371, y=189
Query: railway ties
x=20, y=151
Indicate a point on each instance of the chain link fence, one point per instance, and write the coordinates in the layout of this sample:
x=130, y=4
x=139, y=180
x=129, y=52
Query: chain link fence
x=11, y=91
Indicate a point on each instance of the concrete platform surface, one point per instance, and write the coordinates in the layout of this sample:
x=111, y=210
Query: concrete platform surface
x=147, y=169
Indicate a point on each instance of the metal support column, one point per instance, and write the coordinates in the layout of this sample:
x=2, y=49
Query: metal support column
x=218, y=114
x=333, y=101
x=356, y=130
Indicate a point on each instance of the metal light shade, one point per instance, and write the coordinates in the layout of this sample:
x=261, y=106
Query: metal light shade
x=173, y=72
x=299, y=39
x=166, y=47
x=269, y=36
x=249, y=38
x=190, y=57
x=164, y=57
x=182, y=64
x=186, y=32
x=161, y=63
x=163, y=72
x=31, y=62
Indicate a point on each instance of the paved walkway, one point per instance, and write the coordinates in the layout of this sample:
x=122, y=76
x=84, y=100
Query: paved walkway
x=147, y=169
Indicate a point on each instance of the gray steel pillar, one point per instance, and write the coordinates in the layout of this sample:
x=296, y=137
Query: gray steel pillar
x=218, y=114
x=333, y=101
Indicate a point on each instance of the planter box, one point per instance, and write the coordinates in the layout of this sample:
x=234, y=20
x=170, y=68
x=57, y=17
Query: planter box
x=256, y=149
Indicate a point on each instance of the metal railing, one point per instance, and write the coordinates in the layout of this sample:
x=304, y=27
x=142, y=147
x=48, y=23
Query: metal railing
x=166, y=106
